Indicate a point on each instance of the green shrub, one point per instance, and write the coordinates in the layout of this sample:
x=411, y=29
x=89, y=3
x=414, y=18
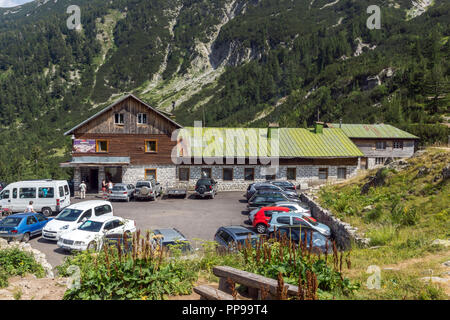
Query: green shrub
x=375, y=214
x=14, y=262
x=404, y=216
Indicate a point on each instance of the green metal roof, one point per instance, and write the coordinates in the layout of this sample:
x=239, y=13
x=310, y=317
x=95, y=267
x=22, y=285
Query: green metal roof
x=372, y=131
x=248, y=142
x=332, y=143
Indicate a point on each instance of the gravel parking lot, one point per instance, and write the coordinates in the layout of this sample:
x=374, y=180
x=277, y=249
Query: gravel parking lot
x=195, y=218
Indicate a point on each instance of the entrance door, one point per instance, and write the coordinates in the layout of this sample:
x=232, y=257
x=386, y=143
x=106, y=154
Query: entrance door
x=93, y=181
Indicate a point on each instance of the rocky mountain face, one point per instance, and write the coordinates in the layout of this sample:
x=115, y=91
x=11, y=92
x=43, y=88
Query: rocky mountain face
x=228, y=62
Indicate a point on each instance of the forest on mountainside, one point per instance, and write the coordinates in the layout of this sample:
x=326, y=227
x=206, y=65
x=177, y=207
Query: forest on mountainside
x=283, y=61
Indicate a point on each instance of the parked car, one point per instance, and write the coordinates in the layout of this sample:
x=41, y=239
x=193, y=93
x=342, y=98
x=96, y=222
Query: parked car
x=119, y=240
x=180, y=190
x=206, y=187
x=264, y=224
x=295, y=206
x=74, y=215
x=122, y=191
x=320, y=243
x=22, y=226
x=267, y=199
x=267, y=188
x=171, y=236
x=48, y=196
x=267, y=211
x=92, y=233
x=229, y=237
x=147, y=189
x=285, y=185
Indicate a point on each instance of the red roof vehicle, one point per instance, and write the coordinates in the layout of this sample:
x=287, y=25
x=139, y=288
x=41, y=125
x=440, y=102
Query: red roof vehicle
x=262, y=217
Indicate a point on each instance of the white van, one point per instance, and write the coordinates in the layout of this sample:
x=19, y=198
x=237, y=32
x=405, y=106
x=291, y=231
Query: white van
x=73, y=216
x=48, y=196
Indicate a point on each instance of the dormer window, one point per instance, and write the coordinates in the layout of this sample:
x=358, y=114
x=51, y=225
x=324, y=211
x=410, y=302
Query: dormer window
x=142, y=118
x=119, y=118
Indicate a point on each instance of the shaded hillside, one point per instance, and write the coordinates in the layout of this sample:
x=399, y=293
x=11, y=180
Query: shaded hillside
x=232, y=62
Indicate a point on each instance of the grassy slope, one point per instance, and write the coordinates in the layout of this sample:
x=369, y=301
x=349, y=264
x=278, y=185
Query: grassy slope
x=406, y=215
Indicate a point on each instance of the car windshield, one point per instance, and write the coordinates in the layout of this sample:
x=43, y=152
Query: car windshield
x=142, y=184
x=10, y=222
x=68, y=215
x=91, y=226
x=118, y=188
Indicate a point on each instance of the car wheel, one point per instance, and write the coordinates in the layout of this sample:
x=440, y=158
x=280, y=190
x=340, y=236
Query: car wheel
x=261, y=228
x=26, y=237
x=47, y=212
x=92, y=245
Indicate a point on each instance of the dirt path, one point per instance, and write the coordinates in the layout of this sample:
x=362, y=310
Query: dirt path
x=32, y=288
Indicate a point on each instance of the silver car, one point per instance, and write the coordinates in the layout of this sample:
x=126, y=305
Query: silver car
x=281, y=219
x=122, y=191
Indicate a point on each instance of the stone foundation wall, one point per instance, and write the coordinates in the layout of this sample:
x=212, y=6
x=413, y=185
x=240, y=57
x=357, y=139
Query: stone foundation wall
x=343, y=233
x=167, y=175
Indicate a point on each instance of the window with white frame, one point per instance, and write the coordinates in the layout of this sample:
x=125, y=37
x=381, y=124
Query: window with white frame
x=379, y=161
x=397, y=145
x=142, y=118
x=119, y=118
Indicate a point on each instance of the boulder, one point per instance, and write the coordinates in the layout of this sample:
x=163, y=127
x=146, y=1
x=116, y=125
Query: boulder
x=445, y=243
x=422, y=171
x=446, y=172
x=435, y=279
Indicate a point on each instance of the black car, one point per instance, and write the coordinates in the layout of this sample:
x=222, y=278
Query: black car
x=285, y=185
x=265, y=199
x=254, y=187
x=260, y=187
x=295, y=234
x=206, y=187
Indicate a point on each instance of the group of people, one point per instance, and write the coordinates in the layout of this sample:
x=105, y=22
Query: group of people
x=106, y=188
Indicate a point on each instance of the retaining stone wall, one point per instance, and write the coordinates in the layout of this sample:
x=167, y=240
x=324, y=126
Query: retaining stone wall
x=343, y=232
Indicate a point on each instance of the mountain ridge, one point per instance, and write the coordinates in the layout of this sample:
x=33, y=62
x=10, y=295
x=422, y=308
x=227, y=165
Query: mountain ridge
x=227, y=62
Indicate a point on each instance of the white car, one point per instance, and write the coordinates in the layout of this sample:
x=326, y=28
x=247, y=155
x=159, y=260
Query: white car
x=73, y=216
x=295, y=207
x=91, y=234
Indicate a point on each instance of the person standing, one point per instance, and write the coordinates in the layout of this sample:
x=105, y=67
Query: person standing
x=110, y=186
x=104, y=185
x=30, y=208
x=83, y=188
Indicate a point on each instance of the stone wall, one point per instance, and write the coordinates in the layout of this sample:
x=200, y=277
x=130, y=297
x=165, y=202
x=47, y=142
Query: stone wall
x=306, y=175
x=343, y=233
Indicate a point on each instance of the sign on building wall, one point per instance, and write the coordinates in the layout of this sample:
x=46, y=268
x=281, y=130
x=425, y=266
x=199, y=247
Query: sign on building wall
x=83, y=146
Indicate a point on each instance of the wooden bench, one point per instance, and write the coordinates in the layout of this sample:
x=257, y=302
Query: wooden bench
x=252, y=281
x=209, y=293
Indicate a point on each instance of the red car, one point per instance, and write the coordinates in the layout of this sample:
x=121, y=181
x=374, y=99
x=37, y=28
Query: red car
x=262, y=217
